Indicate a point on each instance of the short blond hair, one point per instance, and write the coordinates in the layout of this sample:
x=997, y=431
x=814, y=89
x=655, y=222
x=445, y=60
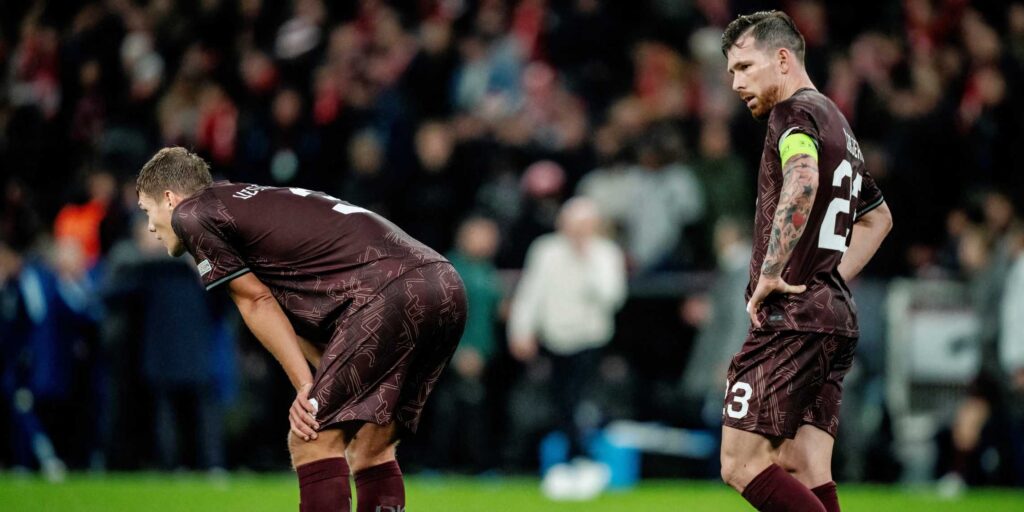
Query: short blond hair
x=176, y=169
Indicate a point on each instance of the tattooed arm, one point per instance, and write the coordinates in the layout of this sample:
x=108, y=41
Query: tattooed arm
x=799, y=186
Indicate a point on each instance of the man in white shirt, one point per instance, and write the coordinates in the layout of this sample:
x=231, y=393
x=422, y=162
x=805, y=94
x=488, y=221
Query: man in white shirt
x=572, y=284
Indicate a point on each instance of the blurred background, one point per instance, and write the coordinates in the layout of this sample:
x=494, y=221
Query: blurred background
x=470, y=124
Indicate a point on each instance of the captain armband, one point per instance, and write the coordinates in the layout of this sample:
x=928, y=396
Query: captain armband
x=796, y=143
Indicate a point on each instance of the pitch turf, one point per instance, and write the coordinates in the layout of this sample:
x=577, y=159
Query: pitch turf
x=196, y=493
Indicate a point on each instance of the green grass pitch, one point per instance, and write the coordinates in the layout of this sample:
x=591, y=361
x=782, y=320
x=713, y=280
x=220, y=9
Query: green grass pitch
x=278, y=492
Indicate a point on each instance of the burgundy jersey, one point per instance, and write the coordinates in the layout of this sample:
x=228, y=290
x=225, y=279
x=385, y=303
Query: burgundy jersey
x=318, y=255
x=845, y=190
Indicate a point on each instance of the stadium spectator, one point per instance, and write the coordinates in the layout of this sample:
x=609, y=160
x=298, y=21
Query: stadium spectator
x=665, y=198
x=80, y=223
x=564, y=308
x=153, y=298
x=722, y=323
x=988, y=417
x=462, y=433
x=437, y=183
x=47, y=339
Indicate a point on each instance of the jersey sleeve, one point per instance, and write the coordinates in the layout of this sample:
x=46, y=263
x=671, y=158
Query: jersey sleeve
x=205, y=231
x=792, y=118
x=870, y=196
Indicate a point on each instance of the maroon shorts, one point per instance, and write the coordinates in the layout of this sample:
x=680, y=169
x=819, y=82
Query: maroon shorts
x=781, y=380
x=386, y=357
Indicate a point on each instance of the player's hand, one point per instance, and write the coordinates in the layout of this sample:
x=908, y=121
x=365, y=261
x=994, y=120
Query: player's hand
x=301, y=415
x=524, y=349
x=765, y=287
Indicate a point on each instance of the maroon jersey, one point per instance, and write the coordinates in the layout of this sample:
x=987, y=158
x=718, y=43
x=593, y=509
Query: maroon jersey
x=845, y=190
x=317, y=254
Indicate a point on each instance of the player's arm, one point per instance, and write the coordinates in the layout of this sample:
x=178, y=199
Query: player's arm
x=799, y=186
x=310, y=351
x=267, y=321
x=868, y=233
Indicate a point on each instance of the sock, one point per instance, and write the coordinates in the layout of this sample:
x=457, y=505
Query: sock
x=380, y=488
x=774, y=490
x=826, y=493
x=324, y=486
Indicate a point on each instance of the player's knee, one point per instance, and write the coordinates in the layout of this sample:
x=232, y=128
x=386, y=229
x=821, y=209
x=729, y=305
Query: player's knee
x=805, y=467
x=791, y=461
x=799, y=459
x=362, y=455
x=731, y=471
x=298, y=449
x=304, y=452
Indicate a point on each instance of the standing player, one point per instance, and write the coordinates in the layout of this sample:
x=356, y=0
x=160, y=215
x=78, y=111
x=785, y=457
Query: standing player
x=376, y=312
x=820, y=218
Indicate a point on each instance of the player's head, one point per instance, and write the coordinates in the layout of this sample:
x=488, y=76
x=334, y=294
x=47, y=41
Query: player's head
x=172, y=175
x=762, y=50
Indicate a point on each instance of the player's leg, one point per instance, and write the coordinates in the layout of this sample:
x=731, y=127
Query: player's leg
x=744, y=456
x=379, y=483
x=430, y=312
x=747, y=466
x=764, y=401
x=808, y=457
x=323, y=472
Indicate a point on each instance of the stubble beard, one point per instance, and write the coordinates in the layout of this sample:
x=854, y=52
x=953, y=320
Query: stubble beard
x=766, y=102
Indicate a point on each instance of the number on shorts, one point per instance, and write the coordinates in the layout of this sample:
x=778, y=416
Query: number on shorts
x=743, y=401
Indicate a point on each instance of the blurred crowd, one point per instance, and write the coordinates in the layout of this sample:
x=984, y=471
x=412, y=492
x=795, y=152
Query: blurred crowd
x=469, y=124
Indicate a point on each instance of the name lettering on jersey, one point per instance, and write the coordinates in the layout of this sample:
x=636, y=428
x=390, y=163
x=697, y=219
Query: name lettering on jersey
x=204, y=267
x=248, y=192
x=852, y=146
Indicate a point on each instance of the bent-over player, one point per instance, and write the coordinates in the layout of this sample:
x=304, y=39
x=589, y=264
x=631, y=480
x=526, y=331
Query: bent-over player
x=819, y=219
x=317, y=279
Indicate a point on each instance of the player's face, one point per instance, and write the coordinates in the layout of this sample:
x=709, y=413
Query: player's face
x=755, y=76
x=158, y=211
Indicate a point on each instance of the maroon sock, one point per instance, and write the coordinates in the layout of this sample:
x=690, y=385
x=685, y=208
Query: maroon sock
x=380, y=488
x=324, y=486
x=774, y=490
x=826, y=493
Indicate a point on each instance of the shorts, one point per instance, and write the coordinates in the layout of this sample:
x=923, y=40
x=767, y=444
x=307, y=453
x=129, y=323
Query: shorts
x=386, y=357
x=779, y=381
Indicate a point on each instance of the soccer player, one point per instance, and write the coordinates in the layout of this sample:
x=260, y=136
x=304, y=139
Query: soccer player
x=317, y=279
x=819, y=219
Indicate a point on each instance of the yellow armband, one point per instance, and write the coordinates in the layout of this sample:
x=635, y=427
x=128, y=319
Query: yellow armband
x=797, y=144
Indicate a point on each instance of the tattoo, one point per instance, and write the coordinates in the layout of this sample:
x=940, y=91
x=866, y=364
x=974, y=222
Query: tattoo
x=799, y=185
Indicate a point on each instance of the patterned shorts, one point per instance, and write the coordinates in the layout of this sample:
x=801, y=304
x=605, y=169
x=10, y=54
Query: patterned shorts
x=779, y=381
x=386, y=357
